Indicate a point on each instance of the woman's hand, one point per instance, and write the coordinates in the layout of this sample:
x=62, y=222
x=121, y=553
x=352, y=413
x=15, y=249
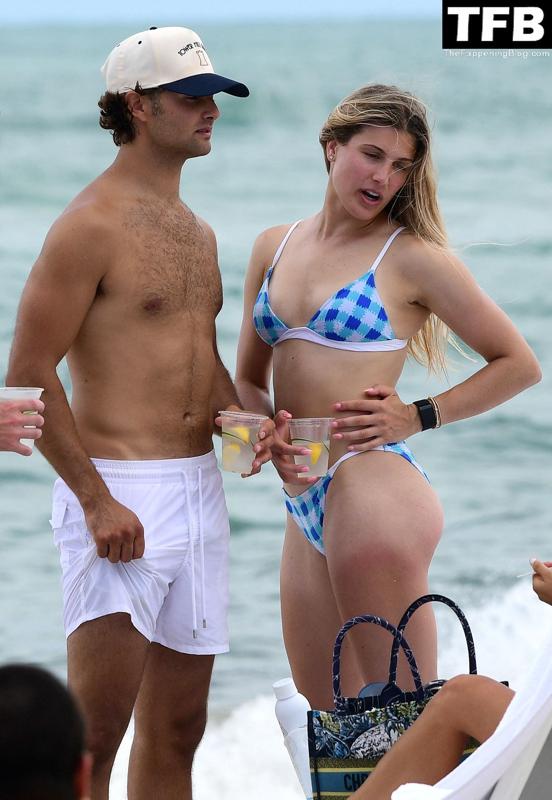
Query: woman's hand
x=283, y=452
x=263, y=447
x=542, y=580
x=381, y=418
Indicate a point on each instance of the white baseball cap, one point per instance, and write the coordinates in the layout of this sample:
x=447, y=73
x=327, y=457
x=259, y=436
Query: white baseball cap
x=172, y=58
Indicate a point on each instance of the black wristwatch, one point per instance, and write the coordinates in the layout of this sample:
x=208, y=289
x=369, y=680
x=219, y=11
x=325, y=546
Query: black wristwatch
x=427, y=414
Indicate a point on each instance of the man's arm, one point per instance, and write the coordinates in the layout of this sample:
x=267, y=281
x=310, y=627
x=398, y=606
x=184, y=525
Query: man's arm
x=225, y=398
x=57, y=297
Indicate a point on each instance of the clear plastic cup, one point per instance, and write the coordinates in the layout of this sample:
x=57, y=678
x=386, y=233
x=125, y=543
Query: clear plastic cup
x=239, y=435
x=22, y=393
x=314, y=434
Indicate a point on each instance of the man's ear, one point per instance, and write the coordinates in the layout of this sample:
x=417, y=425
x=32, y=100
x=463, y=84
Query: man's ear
x=135, y=103
x=83, y=777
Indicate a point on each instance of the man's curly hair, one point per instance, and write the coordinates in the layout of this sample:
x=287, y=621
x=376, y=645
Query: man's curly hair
x=116, y=116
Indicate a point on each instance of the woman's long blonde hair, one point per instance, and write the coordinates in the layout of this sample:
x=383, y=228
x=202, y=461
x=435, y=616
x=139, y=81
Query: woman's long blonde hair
x=415, y=205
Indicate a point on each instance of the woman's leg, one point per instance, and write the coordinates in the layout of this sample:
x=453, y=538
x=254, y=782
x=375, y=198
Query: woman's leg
x=467, y=706
x=382, y=524
x=310, y=621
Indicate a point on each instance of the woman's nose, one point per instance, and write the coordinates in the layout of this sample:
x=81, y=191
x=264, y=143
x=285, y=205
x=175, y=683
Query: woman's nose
x=382, y=173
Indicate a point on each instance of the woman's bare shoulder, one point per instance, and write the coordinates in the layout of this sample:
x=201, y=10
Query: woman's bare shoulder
x=269, y=240
x=265, y=247
x=417, y=256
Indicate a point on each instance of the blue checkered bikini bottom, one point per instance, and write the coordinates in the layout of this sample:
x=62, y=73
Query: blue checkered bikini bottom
x=307, y=508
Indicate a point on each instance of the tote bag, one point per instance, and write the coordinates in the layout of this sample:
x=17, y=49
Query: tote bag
x=346, y=743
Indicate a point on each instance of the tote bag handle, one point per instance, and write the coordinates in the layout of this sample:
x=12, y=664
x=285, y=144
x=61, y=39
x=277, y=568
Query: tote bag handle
x=398, y=641
x=421, y=601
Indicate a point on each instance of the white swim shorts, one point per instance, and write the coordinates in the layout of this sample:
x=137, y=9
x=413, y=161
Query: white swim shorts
x=177, y=594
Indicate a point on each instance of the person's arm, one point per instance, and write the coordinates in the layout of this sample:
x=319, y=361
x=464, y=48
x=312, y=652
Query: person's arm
x=223, y=395
x=225, y=398
x=12, y=424
x=440, y=283
x=254, y=362
x=56, y=299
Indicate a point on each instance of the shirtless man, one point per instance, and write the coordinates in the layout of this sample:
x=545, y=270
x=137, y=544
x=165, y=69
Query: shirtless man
x=127, y=285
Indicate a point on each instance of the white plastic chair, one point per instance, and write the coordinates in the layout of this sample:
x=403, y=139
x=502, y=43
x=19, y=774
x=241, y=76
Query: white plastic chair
x=507, y=766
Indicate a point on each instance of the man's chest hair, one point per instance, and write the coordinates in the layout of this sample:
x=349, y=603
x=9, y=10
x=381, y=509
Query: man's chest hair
x=168, y=261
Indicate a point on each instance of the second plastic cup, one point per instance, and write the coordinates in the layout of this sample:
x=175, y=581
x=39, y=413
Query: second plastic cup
x=313, y=433
x=21, y=393
x=239, y=435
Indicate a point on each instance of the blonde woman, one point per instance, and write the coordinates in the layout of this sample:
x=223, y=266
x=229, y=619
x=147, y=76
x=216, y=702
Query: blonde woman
x=333, y=305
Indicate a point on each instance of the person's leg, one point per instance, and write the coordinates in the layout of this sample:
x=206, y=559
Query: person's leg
x=466, y=706
x=382, y=524
x=170, y=717
x=191, y=628
x=105, y=659
x=310, y=621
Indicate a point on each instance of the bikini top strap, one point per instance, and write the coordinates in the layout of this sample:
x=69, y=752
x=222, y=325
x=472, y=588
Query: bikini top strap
x=283, y=243
x=386, y=247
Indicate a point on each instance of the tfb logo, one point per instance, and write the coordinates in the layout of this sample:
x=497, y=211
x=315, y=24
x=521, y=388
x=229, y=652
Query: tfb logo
x=513, y=25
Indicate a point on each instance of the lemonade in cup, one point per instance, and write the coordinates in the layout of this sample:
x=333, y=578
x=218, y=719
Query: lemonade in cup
x=312, y=433
x=239, y=436
x=22, y=393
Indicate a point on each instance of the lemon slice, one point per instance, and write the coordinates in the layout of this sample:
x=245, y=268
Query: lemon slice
x=230, y=454
x=316, y=451
x=241, y=432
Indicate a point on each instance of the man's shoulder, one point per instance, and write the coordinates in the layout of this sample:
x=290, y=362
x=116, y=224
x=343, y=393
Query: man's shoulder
x=207, y=230
x=85, y=234
x=85, y=219
x=93, y=210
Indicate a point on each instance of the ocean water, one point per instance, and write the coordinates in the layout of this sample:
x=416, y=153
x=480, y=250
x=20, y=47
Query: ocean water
x=492, y=125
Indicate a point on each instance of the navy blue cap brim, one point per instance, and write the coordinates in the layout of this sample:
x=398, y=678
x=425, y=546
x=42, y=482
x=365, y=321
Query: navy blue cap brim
x=207, y=84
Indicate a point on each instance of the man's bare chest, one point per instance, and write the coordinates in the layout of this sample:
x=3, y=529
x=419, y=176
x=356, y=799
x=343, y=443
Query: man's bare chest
x=165, y=267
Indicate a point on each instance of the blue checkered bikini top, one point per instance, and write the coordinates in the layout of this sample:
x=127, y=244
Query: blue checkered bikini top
x=351, y=319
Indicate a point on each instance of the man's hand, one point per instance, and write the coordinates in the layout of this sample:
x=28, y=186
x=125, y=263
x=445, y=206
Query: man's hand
x=542, y=580
x=283, y=452
x=380, y=419
x=14, y=415
x=117, y=531
x=262, y=448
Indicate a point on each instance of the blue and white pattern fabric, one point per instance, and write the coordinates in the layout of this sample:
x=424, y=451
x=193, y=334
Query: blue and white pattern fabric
x=354, y=313
x=307, y=508
x=353, y=318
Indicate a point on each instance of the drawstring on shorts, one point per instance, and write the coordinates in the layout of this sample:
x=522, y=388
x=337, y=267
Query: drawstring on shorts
x=191, y=523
